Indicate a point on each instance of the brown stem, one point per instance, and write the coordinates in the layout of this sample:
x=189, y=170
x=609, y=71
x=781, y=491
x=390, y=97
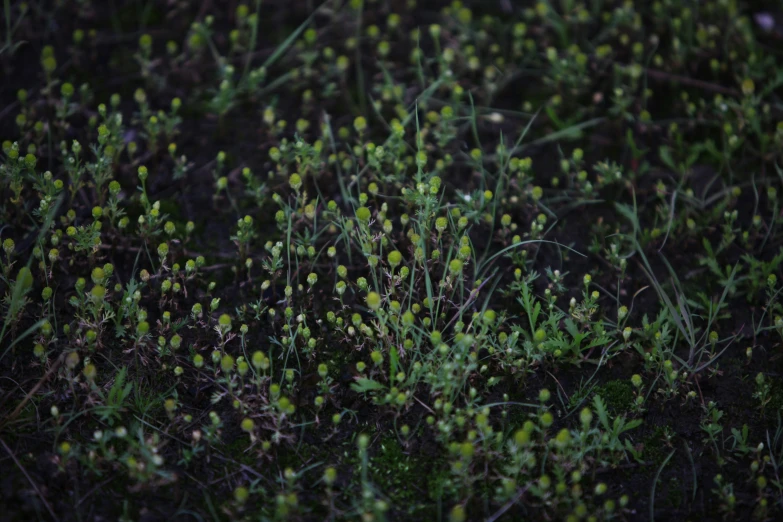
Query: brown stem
x=14, y=414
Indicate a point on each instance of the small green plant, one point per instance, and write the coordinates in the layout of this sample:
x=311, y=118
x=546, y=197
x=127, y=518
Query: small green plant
x=391, y=261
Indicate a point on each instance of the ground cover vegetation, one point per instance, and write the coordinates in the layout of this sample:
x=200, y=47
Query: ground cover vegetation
x=390, y=260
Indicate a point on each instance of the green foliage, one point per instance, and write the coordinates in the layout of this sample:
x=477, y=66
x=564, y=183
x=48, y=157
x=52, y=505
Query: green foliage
x=364, y=268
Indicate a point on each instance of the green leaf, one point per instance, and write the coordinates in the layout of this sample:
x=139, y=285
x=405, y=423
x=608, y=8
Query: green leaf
x=666, y=157
x=631, y=425
x=119, y=390
x=363, y=385
x=603, y=415
x=629, y=213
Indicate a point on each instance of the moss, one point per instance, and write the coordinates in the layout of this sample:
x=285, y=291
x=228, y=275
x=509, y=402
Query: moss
x=655, y=448
x=296, y=458
x=129, y=17
x=618, y=396
x=236, y=450
x=578, y=397
x=674, y=493
x=775, y=395
x=411, y=482
x=516, y=417
x=172, y=209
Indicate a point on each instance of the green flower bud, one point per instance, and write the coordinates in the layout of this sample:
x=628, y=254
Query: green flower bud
x=563, y=439
x=394, y=258
x=586, y=417
x=24, y=278
x=373, y=300
x=455, y=267
x=143, y=328
x=241, y=494
x=97, y=293
x=247, y=425
x=227, y=363
x=363, y=214
x=295, y=181
x=224, y=322
x=8, y=246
